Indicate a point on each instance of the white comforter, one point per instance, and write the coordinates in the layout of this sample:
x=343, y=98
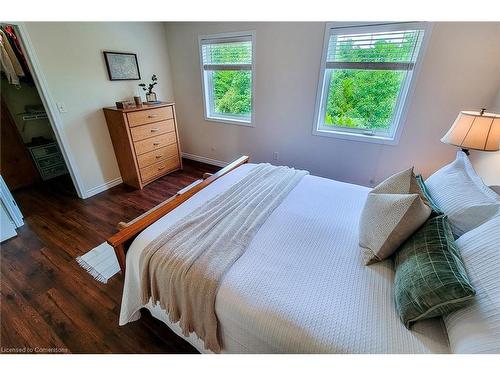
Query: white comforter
x=300, y=287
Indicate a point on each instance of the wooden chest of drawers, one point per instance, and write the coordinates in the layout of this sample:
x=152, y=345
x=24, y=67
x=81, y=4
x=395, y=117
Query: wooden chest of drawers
x=146, y=142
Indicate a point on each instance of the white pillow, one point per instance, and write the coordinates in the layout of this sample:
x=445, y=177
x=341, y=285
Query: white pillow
x=461, y=194
x=476, y=328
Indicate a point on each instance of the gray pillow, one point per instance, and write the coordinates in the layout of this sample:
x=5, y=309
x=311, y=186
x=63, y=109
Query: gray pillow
x=393, y=210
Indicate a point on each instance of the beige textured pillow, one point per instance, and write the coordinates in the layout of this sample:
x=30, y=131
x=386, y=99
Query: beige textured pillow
x=393, y=211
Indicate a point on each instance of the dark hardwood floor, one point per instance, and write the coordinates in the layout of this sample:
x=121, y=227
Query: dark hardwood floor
x=48, y=301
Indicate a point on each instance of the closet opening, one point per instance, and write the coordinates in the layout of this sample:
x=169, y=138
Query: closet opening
x=33, y=168
x=30, y=154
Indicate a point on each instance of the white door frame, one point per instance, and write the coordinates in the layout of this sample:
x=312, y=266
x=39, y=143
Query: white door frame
x=50, y=106
x=10, y=204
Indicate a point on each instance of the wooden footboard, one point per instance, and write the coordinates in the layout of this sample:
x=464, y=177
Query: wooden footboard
x=128, y=231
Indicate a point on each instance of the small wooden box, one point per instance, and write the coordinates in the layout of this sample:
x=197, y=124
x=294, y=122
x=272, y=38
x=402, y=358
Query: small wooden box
x=125, y=104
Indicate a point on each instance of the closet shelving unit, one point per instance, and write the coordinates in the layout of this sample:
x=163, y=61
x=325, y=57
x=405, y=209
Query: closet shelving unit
x=27, y=116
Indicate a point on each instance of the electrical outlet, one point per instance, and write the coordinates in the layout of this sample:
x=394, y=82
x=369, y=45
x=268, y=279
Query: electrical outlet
x=276, y=155
x=62, y=107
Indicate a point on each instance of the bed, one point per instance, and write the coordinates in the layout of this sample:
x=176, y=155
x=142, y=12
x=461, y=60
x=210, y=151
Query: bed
x=300, y=287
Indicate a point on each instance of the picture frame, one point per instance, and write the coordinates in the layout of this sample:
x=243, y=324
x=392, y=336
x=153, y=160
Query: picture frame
x=122, y=66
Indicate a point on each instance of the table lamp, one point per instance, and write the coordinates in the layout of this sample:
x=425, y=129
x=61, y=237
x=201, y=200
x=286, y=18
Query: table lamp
x=474, y=131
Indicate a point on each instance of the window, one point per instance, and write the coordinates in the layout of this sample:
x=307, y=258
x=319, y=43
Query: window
x=366, y=75
x=227, y=76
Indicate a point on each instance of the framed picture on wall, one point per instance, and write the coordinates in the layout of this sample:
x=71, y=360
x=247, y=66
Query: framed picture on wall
x=122, y=66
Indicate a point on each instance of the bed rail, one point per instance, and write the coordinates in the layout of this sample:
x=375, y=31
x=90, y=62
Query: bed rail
x=128, y=231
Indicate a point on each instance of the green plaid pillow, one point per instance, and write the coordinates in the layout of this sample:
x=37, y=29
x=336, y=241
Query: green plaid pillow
x=431, y=279
x=427, y=195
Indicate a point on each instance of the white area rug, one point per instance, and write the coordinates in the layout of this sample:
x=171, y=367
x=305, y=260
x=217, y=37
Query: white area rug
x=100, y=262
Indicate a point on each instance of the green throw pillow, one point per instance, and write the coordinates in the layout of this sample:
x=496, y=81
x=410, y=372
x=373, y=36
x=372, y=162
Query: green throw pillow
x=431, y=279
x=427, y=195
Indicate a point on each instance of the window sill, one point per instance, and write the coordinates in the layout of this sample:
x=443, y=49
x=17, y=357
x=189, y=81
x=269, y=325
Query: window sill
x=391, y=141
x=230, y=121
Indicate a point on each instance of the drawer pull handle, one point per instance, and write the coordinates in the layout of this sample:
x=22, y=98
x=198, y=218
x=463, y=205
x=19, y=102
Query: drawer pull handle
x=152, y=116
x=156, y=143
x=160, y=168
x=154, y=130
x=158, y=156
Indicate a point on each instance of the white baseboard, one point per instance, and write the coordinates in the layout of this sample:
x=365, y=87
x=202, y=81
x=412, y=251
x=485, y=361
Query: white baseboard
x=100, y=188
x=203, y=159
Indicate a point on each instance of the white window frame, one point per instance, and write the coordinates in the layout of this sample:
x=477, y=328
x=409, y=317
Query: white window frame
x=206, y=81
x=404, y=96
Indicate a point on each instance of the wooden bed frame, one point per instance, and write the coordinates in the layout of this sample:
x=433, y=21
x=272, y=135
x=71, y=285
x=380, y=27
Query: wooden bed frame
x=128, y=231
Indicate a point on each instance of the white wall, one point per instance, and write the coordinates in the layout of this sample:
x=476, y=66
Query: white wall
x=459, y=71
x=72, y=62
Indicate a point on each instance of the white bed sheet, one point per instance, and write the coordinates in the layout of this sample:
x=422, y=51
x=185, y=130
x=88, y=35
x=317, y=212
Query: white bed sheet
x=300, y=287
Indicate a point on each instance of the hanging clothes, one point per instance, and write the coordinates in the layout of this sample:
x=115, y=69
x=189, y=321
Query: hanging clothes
x=6, y=63
x=12, y=55
x=16, y=46
x=9, y=30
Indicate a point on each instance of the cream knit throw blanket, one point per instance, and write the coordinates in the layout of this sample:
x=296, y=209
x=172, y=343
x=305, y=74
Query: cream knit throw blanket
x=182, y=269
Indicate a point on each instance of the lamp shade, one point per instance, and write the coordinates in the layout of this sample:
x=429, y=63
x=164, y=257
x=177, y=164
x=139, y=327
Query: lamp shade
x=475, y=131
